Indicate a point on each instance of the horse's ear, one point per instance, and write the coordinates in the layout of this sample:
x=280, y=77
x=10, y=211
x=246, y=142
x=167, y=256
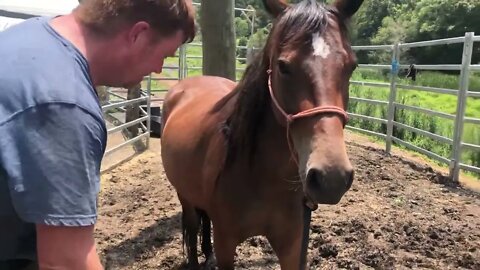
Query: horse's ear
x=347, y=8
x=275, y=7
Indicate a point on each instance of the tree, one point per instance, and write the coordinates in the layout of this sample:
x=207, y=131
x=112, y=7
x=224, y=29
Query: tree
x=443, y=19
x=242, y=52
x=410, y=21
x=259, y=38
x=241, y=27
x=368, y=20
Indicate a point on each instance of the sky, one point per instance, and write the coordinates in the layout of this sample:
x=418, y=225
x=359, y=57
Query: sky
x=34, y=7
x=42, y=7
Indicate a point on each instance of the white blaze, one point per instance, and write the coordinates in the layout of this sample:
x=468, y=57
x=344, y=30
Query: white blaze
x=320, y=47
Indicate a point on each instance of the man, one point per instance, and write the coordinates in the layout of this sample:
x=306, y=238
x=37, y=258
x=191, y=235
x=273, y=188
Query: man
x=52, y=135
x=412, y=72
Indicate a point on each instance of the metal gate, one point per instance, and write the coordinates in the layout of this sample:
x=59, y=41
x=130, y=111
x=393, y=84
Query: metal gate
x=462, y=93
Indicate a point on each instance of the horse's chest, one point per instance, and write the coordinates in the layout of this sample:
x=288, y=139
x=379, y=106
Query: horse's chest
x=254, y=208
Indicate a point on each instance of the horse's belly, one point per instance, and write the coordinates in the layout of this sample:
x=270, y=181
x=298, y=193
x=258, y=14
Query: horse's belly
x=192, y=172
x=192, y=145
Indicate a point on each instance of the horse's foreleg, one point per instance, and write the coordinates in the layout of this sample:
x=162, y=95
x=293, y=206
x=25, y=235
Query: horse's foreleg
x=287, y=246
x=190, y=227
x=224, y=249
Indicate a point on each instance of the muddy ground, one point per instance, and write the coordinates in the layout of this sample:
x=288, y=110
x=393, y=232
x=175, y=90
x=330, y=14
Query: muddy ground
x=399, y=214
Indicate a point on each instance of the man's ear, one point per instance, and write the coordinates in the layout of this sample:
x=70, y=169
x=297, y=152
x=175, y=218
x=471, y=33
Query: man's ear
x=138, y=31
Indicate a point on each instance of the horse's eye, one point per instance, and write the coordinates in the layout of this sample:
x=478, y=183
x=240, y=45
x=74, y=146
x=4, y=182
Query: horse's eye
x=283, y=66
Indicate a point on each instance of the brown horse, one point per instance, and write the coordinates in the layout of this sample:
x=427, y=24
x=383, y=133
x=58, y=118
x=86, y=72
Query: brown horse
x=249, y=156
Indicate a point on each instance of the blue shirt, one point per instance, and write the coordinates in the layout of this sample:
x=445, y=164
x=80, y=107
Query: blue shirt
x=52, y=136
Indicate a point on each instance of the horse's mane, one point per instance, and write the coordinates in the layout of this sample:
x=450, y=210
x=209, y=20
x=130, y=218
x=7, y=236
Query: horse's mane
x=291, y=30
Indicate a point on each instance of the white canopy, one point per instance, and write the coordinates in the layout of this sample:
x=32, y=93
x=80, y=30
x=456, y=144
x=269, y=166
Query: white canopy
x=15, y=11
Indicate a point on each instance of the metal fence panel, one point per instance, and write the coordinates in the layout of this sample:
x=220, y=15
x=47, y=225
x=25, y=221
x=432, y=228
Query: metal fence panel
x=461, y=93
x=421, y=150
x=425, y=111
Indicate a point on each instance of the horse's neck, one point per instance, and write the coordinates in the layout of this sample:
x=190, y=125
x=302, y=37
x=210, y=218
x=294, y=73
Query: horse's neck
x=261, y=160
x=273, y=143
x=268, y=151
x=270, y=172
x=256, y=138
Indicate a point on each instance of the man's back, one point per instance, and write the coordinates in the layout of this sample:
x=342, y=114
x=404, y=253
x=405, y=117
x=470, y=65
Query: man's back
x=52, y=136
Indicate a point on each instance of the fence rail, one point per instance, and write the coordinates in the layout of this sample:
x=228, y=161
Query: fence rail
x=428, y=89
x=369, y=132
x=444, y=41
x=425, y=111
x=120, y=105
x=370, y=101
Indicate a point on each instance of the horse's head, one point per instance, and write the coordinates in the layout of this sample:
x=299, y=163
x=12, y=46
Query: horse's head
x=310, y=63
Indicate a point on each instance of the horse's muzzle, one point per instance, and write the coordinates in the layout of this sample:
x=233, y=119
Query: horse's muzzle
x=328, y=186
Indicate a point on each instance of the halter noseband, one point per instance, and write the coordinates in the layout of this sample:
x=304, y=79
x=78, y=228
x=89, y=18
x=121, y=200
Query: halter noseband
x=290, y=118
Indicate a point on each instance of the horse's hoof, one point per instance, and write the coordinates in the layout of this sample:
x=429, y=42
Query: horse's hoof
x=210, y=263
x=187, y=266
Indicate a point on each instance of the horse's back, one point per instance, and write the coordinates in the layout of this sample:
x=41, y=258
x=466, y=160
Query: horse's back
x=207, y=89
x=192, y=101
x=192, y=143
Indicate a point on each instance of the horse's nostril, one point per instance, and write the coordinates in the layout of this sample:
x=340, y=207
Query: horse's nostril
x=328, y=187
x=314, y=179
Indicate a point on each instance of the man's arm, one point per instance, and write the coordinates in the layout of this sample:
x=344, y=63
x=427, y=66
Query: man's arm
x=61, y=247
x=51, y=154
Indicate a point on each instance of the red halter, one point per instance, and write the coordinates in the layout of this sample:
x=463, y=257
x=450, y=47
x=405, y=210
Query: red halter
x=303, y=114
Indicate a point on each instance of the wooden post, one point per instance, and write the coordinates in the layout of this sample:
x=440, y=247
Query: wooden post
x=218, y=38
x=103, y=94
x=133, y=113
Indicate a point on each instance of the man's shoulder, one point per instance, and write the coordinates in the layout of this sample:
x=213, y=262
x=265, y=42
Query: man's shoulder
x=39, y=67
x=9, y=25
x=33, y=46
x=16, y=37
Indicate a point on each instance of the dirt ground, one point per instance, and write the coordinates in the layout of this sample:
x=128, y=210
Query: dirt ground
x=399, y=214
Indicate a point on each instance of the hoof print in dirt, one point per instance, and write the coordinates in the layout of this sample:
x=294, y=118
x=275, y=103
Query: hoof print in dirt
x=328, y=250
